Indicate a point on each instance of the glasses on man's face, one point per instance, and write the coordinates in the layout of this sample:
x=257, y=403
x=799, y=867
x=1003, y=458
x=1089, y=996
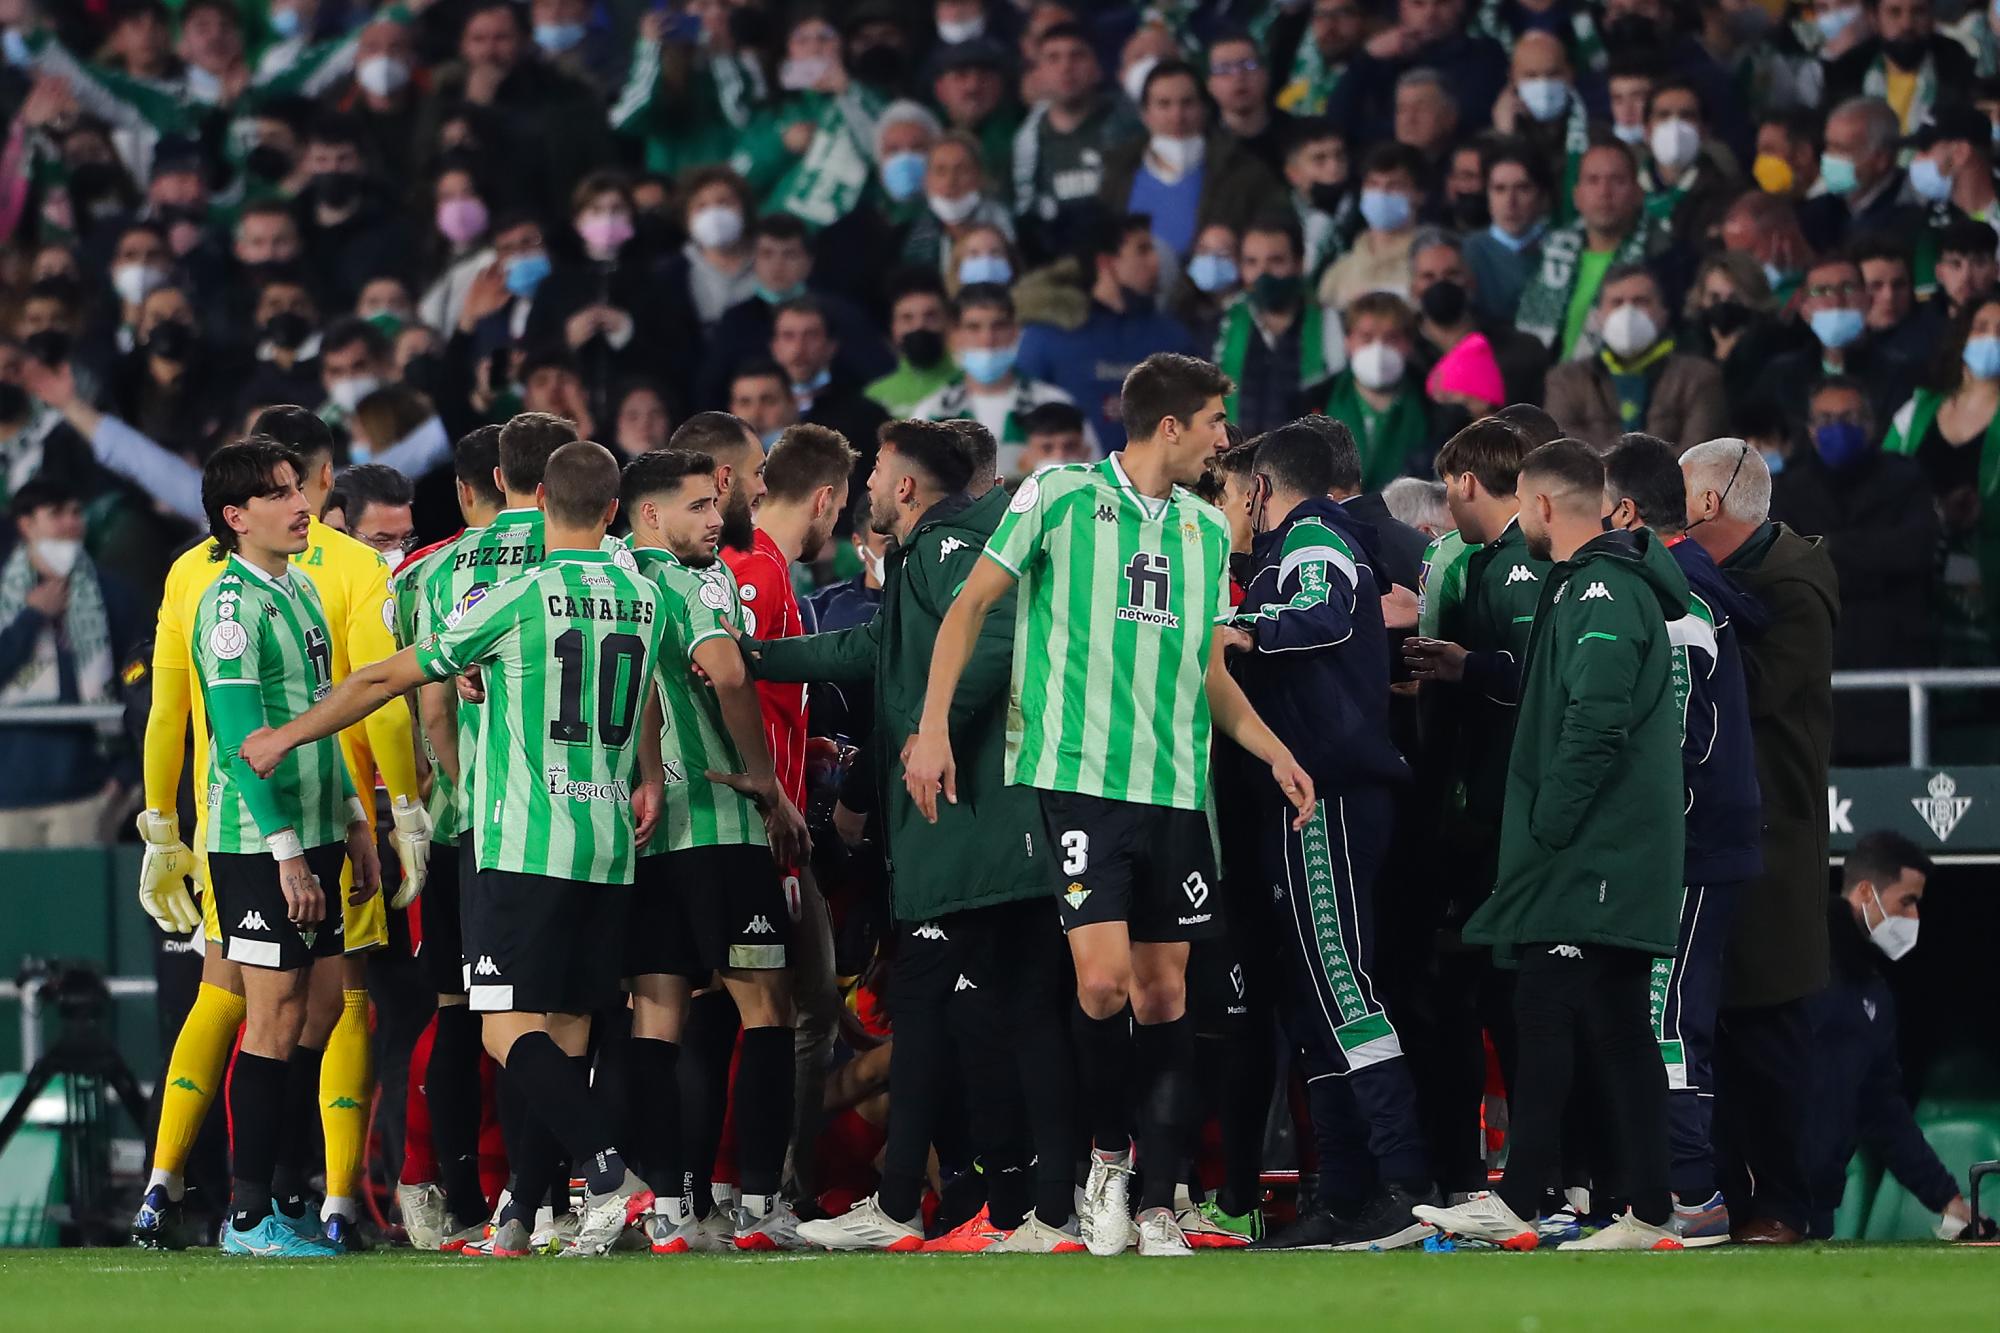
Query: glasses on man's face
x=1825, y=290
x=1225, y=68
x=386, y=542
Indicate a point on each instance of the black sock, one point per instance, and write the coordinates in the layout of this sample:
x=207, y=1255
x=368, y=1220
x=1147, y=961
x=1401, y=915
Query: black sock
x=1008, y=1191
x=257, y=1116
x=301, y=1123
x=556, y=1090
x=763, y=1101
x=451, y=1086
x=1249, y=1071
x=656, y=1115
x=1104, y=1069
x=708, y=1043
x=1164, y=1056
x=532, y=1152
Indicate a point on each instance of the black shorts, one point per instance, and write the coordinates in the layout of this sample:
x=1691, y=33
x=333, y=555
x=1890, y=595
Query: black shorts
x=440, y=953
x=1149, y=866
x=704, y=910
x=250, y=909
x=539, y=945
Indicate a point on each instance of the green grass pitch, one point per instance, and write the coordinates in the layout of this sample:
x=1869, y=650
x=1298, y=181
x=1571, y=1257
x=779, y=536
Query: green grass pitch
x=1816, y=1288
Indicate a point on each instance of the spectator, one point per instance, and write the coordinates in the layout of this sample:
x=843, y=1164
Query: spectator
x=1639, y=381
x=959, y=196
x=1731, y=319
x=1427, y=121
x=1833, y=306
x=351, y=230
x=1905, y=62
x=1874, y=511
x=1315, y=46
x=1277, y=345
x=1328, y=208
x=688, y=94
x=385, y=97
x=1965, y=270
x=1858, y=1097
x=355, y=361
x=918, y=322
x=713, y=270
x=1447, y=296
x=1892, y=303
x=804, y=346
x=1777, y=952
x=805, y=150
x=1184, y=174
x=1766, y=229
x=1690, y=178
x=1508, y=252
x=1611, y=230
x=1428, y=34
x=1864, y=186
x=1123, y=326
x=1058, y=154
x=1952, y=178
x=286, y=320
x=1540, y=108
x=760, y=393
x=1240, y=86
x=168, y=385
x=461, y=245
x=1055, y=435
x=1379, y=397
x=641, y=420
x=1379, y=260
x=968, y=83
x=384, y=418
x=1787, y=161
x=986, y=341
x=373, y=505
x=64, y=628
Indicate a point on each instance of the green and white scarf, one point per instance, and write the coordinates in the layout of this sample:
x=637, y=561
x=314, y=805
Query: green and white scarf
x=829, y=179
x=84, y=625
x=1876, y=84
x=1585, y=41
x=1545, y=302
x=1239, y=325
x=1576, y=142
x=1311, y=82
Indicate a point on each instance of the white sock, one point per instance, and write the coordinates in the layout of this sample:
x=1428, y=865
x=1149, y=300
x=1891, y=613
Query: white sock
x=675, y=1209
x=724, y=1194
x=336, y=1203
x=176, y=1184
x=545, y=1219
x=758, y=1205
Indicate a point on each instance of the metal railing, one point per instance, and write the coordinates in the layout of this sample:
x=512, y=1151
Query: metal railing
x=30, y=996
x=1919, y=683
x=56, y=715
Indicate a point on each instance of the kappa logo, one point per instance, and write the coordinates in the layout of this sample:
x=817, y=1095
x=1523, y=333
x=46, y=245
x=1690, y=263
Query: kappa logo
x=1565, y=951
x=964, y=983
x=930, y=930
x=947, y=546
x=1868, y=1008
x=1597, y=590
x=485, y=968
x=1521, y=574
x=760, y=925
x=1196, y=889
x=1106, y=514
x=1944, y=807
x=252, y=921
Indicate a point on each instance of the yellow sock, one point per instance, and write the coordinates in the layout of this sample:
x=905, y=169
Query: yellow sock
x=194, y=1076
x=345, y=1090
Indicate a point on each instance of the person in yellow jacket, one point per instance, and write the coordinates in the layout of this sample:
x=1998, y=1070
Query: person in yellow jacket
x=333, y=1055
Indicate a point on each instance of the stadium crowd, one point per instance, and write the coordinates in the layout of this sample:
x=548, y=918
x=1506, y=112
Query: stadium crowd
x=1690, y=311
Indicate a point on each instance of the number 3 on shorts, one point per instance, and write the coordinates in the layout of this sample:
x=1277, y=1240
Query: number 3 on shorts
x=1077, y=844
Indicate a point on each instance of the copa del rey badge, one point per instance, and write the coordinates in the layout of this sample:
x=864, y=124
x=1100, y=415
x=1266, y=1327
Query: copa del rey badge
x=1943, y=808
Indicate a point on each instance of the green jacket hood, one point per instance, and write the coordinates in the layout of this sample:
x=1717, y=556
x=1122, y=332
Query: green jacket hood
x=1642, y=554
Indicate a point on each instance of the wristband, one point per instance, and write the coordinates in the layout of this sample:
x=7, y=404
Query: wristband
x=357, y=813
x=284, y=845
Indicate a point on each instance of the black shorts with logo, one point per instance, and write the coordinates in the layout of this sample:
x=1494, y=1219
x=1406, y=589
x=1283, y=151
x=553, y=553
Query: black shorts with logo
x=441, y=952
x=538, y=945
x=1149, y=866
x=250, y=909
x=704, y=910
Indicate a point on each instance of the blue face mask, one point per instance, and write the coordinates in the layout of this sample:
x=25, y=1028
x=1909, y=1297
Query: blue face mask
x=769, y=438
x=1982, y=357
x=1385, y=210
x=1838, y=173
x=1836, y=328
x=525, y=273
x=813, y=385
x=556, y=38
x=769, y=297
x=1833, y=22
x=984, y=268
x=988, y=365
x=1211, y=272
x=1931, y=185
x=1774, y=461
x=285, y=24
x=1521, y=242
x=903, y=175
x=1841, y=443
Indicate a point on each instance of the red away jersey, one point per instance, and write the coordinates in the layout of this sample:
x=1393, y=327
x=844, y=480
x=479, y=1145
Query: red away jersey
x=764, y=581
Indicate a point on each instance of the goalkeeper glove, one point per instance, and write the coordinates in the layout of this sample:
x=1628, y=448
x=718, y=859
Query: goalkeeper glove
x=413, y=847
x=163, y=875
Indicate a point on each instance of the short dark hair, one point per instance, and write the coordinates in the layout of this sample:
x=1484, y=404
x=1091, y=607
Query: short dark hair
x=297, y=430
x=348, y=330
x=1646, y=470
x=779, y=227
x=913, y=280
x=982, y=451
x=370, y=484
x=1310, y=130
x=1674, y=83
x=803, y=305
x=1168, y=384
x=1070, y=31
x=659, y=470
x=527, y=442
x=934, y=448
x=759, y=368
x=39, y=492
x=579, y=482
x=1966, y=236
x=1881, y=857
x=473, y=459
x=1343, y=454
x=712, y=434
x=982, y=296
x=1533, y=421
x=1491, y=449
x=1238, y=460
x=805, y=458
x=1395, y=157
x=1105, y=237
x=1296, y=459
x=1167, y=69
x=1521, y=155
x=1574, y=465
x=235, y=474
x=1053, y=419
x=1279, y=224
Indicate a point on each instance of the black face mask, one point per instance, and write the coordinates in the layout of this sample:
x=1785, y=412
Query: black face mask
x=424, y=372
x=1907, y=52
x=1632, y=32
x=1468, y=212
x=922, y=348
x=13, y=402
x=1444, y=302
x=268, y=163
x=880, y=66
x=1725, y=317
x=1327, y=198
x=172, y=341
x=287, y=329
x=337, y=190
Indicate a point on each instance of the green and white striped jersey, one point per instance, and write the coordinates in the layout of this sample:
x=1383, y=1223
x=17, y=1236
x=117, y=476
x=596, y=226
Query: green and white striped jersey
x=566, y=652
x=1120, y=596
x=263, y=656
x=695, y=604
x=409, y=590
x=1441, y=585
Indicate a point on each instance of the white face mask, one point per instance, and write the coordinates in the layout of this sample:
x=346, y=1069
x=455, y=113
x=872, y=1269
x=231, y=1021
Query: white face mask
x=348, y=393
x=871, y=562
x=951, y=212
x=382, y=76
x=1377, y=365
x=1179, y=155
x=1632, y=134
x=1628, y=331
x=797, y=75
x=135, y=282
x=394, y=559
x=716, y=227
x=1674, y=143
x=1893, y=935
x=58, y=555
x=962, y=30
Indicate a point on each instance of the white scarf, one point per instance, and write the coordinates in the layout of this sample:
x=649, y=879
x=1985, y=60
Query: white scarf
x=84, y=625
